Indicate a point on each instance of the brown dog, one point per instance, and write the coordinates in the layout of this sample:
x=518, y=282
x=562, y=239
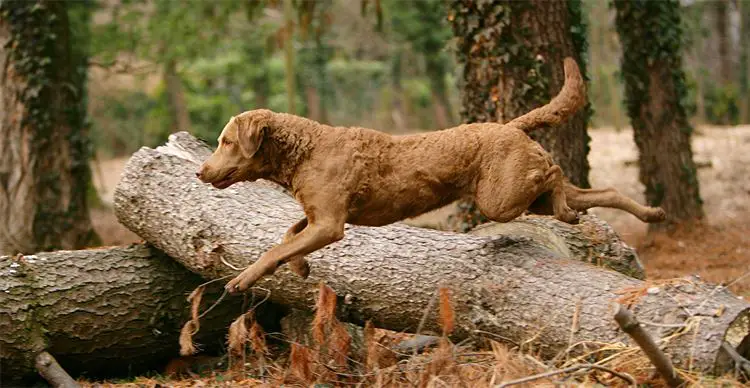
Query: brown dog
x=366, y=177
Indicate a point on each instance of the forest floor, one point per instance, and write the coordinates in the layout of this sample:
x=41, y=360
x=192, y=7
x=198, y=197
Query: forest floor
x=718, y=251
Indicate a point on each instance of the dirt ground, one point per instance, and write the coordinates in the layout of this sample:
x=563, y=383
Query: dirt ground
x=718, y=252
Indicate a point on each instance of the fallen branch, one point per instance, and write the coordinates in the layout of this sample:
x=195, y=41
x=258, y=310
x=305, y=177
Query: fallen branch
x=631, y=381
x=741, y=363
x=55, y=375
x=629, y=324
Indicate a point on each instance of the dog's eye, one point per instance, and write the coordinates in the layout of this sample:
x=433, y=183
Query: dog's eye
x=227, y=143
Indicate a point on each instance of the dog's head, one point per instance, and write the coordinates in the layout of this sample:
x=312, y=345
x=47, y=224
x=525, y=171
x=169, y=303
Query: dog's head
x=237, y=158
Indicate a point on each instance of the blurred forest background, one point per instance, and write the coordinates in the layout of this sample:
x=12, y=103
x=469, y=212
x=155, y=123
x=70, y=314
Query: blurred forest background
x=162, y=66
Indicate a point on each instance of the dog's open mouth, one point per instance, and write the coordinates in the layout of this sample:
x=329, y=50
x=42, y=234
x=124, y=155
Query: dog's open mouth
x=227, y=181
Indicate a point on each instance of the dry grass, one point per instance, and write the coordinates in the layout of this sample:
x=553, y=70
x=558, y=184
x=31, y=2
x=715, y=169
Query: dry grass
x=330, y=361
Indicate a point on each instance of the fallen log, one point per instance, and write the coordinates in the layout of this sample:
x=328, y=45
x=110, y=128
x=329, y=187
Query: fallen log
x=99, y=312
x=508, y=286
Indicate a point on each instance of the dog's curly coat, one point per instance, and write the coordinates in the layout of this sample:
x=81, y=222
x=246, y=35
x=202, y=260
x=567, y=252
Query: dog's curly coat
x=365, y=177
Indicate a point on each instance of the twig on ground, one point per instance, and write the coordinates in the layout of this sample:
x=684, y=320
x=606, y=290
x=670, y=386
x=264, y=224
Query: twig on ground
x=228, y=264
x=665, y=325
x=223, y=295
x=48, y=368
x=427, y=310
x=629, y=324
x=498, y=336
x=570, y=369
x=721, y=287
x=740, y=363
x=208, y=310
x=416, y=344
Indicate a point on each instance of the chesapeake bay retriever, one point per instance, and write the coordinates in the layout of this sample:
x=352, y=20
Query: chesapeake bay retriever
x=365, y=177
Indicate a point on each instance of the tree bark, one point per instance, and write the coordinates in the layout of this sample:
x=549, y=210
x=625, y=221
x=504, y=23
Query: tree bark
x=507, y=285
x=512, y=55
x=44, y=170
x=513, y=52
x=102, y=312
x=654, y=91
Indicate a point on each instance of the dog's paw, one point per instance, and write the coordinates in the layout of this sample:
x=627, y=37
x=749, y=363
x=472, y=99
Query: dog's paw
x=656, y=214
x=246, y=279
x=569, y=216
x=301, y=267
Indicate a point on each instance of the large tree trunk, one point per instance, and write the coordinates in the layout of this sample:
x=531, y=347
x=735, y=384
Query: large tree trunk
x=103, y=312
x=507, y=285
x=654, y=91
x=44, y=171
x=512, y=54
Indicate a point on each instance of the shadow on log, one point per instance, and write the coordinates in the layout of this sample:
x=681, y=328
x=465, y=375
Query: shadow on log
x=509, y=285
x=100, y=312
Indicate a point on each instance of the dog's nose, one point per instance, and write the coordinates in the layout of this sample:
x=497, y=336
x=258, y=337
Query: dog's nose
x=199, y=174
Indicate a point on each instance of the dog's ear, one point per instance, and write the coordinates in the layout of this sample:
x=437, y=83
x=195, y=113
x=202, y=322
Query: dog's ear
x=250, y=134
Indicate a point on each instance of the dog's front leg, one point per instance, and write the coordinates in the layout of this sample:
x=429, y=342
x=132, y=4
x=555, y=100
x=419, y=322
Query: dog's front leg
x=297, y=264
x=315, y=235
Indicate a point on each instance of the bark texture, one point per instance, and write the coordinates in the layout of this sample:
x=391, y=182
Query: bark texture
x=513, y=52
x=101, y=312
x=508, y=285
x=655, y=92
x=44, y=171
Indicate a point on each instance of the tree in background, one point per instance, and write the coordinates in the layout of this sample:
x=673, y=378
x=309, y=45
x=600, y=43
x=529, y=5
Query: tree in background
x=512, y=55
x=744, y=69
x=44, y=147
x=165, y=37
x=314, y=24
x=422, y=25
x=655, y=92
x=725, y=90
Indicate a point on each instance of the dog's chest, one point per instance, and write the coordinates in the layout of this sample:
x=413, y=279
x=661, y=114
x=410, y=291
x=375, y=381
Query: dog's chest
x=381, y=202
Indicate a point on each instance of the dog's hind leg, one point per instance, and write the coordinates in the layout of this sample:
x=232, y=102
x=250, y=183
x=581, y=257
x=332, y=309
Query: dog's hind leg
x=298, y=264
x=555, y=184
x=582, y=199
x=510, y=191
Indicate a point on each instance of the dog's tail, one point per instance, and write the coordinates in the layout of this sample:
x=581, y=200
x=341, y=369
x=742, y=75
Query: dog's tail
x=571, y=98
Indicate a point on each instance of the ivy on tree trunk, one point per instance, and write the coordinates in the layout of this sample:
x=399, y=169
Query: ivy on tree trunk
x=655, y=96
x=512, y=56
x=44, y=145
